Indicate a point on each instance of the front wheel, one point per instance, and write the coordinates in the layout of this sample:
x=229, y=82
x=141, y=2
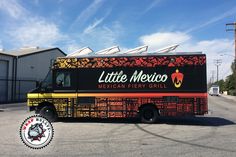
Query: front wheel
x=149, y=114
x=49, y=112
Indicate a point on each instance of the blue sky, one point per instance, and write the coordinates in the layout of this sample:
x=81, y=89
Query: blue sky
x=196, y=25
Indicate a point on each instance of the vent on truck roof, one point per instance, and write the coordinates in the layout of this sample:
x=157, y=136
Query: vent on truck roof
x=137, y=50
x=166, y=49
x=80, y=52
x=108, y=51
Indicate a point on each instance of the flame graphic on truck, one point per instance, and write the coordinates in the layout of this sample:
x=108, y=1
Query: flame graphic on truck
x=177, y=78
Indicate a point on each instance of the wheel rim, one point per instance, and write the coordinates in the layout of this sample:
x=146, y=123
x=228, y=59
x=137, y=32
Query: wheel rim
x=48, y=113
x=148, y=115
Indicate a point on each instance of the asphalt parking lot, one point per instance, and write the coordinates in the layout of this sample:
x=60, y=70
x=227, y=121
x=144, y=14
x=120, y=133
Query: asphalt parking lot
x=210, y=135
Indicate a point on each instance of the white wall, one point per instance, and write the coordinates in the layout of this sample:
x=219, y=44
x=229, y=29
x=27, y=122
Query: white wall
x=10, y=63
x=36, y=66
x=29, y=67
x=7, y=89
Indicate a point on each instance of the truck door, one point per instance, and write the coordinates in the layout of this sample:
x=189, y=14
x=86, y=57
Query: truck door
x=64, y=91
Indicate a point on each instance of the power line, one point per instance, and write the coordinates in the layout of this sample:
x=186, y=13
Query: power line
x=217, y=64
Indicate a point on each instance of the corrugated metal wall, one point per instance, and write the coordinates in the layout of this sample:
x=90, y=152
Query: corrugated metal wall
x=4, y=66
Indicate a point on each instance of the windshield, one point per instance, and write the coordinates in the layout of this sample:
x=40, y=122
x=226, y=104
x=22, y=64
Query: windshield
x=47, y=82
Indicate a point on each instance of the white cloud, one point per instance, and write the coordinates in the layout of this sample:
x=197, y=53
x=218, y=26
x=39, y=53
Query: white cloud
x=102, y=37
x=212, y=48
x=96, y=22
x=95, y=37
x=162, y=39
x=12, y=8
x=26, y=29
x=87, y=13
x=93, y=26
x=71, y=46
x=151, y=5
x=36, y=32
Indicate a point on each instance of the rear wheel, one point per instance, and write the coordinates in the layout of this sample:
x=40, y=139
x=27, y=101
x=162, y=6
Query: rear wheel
x=49, y=112
x=149, y=114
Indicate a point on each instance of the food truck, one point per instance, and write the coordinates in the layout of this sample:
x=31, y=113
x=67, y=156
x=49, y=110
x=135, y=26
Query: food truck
x=123, y=86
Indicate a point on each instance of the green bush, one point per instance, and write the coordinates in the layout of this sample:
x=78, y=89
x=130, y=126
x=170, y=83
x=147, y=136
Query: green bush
x=232, y=92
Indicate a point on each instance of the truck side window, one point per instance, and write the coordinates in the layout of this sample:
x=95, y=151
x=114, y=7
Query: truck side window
x=63, y=79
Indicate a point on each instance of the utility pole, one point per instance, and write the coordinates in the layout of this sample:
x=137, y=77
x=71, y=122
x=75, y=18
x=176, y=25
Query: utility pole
x=212, y=76
x=233, y=28
x=217, y=63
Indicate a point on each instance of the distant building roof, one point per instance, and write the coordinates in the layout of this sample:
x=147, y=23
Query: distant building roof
x=27, y=51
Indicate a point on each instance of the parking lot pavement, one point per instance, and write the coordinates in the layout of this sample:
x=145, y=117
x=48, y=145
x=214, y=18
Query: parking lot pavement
x=210, y=135
x=13, y=106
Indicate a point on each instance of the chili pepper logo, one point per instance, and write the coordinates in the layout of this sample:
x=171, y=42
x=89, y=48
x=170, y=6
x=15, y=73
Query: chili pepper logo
x=177, y=78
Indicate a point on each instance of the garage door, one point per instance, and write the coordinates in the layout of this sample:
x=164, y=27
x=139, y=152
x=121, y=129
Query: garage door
x=3, y=80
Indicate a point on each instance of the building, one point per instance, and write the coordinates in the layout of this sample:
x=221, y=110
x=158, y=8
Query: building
x=22, y=69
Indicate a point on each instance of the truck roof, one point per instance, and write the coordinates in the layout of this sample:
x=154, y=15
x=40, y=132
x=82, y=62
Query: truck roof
x=136, y=55
x=105, y=61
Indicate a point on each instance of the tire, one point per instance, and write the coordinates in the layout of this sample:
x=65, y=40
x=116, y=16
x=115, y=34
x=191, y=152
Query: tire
x=49, y=113
x=149, y=114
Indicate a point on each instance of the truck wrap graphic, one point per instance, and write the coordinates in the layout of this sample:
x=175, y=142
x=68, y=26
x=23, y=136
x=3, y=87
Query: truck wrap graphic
x=126, y=86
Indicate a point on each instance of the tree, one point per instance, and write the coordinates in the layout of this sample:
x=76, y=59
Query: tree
x=221, y=84
x=230, y=81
